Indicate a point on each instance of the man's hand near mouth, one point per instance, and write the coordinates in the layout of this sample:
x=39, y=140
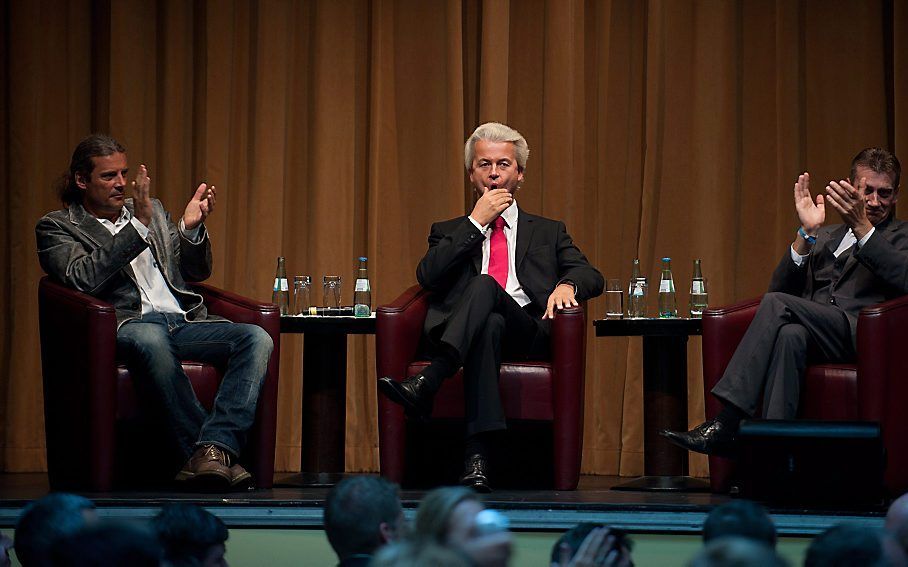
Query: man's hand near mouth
x=490, y=205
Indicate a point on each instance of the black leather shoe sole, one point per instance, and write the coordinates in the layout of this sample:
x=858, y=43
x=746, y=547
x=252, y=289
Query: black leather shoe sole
x=479, y=485
x=394, y=392
x=718, y=448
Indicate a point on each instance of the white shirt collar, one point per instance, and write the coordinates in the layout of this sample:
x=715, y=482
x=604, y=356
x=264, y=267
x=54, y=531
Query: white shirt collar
x=510, y=214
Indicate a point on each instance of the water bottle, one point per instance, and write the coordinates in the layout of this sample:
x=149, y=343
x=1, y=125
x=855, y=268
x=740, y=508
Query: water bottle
x=636, y=293
x=667, y=306
x=362, y=292
x=698, y=295
x=281, y=294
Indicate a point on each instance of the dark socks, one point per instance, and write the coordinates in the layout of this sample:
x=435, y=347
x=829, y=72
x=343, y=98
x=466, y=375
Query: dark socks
x=481, y=444
x=731, y=415
x=443, y=366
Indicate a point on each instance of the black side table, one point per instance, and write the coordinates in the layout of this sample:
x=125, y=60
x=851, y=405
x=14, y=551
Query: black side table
x=664, y=398
x=324, y=394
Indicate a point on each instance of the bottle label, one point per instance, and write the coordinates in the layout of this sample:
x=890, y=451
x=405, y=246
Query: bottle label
x=697, y=286
x=639, y=289
x=362, y=284
x=360, y=310
x=666, y=286
x=280, y=284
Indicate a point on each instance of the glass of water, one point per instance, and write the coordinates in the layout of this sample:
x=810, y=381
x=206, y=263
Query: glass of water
x=699, y=298
x=614, y=299
x=332, y=289
x=302, y=294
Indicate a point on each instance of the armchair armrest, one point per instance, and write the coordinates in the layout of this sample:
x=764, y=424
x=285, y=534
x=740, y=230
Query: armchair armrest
x=881, y=334
x=238, y=308
x=723, y=328
x=78, y=353
x=568, y=366
x=882, y=389
x=398, y=330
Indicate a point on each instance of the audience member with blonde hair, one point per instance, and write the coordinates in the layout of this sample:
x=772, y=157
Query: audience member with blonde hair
x=453, y=517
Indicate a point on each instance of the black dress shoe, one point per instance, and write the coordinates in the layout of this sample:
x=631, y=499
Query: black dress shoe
x=476, y=474
x=711, y=438
x=414, y=393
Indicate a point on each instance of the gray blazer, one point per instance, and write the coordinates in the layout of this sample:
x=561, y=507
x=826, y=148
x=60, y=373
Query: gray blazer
x=75, y=249
x=876, y=272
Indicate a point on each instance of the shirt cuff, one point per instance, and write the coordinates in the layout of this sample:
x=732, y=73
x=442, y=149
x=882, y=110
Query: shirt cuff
x=477, y=225
x=863, y=241
x=797, y=258
x=568, y=282
x=140, y=228
x=190, y=235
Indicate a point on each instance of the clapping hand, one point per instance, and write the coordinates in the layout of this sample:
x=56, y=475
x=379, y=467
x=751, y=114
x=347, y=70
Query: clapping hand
x=810, y=215
x=597, y=550
x=141, y=191
x=849, y=201
x=199, y=207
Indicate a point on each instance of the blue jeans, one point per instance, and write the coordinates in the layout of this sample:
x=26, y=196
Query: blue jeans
x=153, y=347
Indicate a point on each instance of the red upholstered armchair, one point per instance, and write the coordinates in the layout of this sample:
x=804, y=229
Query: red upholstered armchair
x=540, y=391
x=874, y=389
x=90, y=406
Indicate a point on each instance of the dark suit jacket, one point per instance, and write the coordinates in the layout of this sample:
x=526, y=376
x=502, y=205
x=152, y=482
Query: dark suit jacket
x=75, y=249
x=545, y=255
x=875, y=272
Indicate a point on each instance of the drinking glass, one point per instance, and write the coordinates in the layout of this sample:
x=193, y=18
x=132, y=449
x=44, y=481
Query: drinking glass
x=332, y=288
x=614, y=299
x=302, y=294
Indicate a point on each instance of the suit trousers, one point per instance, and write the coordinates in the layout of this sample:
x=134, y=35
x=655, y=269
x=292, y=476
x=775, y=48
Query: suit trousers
x=485, y=325
x=787, y=333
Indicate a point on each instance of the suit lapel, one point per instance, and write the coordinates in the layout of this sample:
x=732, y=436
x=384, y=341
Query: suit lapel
x=835, y=238
x=88, y=225
x=525, y=226
x=851, y=262
x=98, y=234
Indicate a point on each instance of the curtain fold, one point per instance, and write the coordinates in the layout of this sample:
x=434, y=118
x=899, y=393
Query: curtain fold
x=335, y=129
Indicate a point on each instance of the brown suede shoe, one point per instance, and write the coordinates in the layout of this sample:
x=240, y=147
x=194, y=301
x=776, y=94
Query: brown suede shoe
x=240, y=479
x=209, y=467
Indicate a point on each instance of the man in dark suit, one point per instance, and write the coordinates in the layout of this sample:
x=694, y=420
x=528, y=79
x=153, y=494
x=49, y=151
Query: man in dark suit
x=819, y=287
x=497, y=276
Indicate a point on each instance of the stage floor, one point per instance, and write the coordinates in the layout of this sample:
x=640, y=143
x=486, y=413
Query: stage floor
x=528, y=510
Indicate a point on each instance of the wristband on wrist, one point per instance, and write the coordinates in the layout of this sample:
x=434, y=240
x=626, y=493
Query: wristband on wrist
x=805, y=236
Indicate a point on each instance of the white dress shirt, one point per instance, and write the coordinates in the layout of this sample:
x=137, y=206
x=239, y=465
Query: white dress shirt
x=156, y=294
x=847, y=242
x=513, y=288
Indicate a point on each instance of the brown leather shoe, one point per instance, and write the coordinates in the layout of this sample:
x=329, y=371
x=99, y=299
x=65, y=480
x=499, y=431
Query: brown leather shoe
x=208, y=466
x=240, y=479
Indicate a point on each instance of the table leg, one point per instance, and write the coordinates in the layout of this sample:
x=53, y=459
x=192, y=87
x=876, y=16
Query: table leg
x=324, y=410
x=664, y=403
x=664, y=407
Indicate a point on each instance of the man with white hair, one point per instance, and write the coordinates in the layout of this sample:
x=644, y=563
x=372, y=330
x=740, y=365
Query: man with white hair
x=498, y=276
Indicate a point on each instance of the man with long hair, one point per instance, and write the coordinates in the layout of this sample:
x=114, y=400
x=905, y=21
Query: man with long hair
x=127, y=252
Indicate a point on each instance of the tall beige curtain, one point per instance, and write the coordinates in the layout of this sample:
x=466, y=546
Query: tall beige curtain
x=334, y=129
